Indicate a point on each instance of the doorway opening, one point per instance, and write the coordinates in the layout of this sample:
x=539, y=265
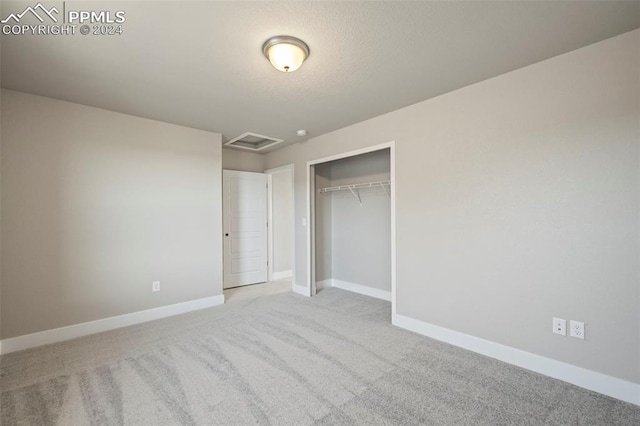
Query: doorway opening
x=258, y=232
x=245, y=228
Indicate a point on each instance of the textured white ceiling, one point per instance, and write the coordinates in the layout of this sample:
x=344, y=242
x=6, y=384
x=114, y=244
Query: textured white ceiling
x=199, y=64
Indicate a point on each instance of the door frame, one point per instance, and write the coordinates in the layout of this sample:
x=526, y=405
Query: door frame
x=270, y=172
x=310, y=170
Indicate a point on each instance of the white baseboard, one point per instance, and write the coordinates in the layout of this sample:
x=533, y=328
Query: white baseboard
x=298, y=289
x=55, y=335
x=355, y=288
x=597, y=382
x=280, y=275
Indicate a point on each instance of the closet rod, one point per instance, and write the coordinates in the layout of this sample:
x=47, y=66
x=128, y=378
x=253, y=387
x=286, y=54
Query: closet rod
x=351, y=187
x=354, y=188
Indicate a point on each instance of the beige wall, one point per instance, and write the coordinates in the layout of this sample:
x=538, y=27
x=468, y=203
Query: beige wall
x=241, y=160
x=517, y=200
x=282, y=220
x=96, y=206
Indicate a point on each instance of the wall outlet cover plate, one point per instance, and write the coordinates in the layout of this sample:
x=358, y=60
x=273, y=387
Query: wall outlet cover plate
x=560, y=326
x=576, y=329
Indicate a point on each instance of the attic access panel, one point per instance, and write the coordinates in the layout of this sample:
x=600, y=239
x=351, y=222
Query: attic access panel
x=253, y=141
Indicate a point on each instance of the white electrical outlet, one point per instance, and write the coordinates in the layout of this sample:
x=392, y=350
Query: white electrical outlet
x=560, y=326
x=576, y=329
x=155, y=286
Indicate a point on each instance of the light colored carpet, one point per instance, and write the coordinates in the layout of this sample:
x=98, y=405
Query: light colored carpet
x=284, y=359
x=239, y=294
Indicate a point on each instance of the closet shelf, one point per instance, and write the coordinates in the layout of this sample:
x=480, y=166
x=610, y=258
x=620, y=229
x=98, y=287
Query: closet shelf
x=354, y=188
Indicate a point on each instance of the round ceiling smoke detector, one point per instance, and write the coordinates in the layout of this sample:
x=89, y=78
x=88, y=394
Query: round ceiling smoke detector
x=301, y=133
x=285, y=53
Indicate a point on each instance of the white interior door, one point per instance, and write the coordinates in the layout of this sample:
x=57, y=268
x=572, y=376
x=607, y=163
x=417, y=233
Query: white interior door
x=245, y=227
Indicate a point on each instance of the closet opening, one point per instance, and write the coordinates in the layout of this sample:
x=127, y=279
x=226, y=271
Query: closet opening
x=351, y=232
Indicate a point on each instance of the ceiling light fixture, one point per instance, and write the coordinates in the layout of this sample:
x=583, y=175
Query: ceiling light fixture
x=285, y=53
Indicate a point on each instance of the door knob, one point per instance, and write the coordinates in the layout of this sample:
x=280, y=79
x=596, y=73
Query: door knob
x=226, y=235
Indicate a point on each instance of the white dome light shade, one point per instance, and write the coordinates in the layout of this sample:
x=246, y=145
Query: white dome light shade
x=286, y=57
x=285, y=53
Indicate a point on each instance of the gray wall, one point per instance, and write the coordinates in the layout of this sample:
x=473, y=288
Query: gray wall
x=282, y=221
x=241, y=160
x=361, y=235
x=323, y=234
x=96, y=206
x=517, y=200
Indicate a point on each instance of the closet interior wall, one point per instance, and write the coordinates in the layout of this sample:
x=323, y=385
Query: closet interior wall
x=323, y=225
x=353, y=239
